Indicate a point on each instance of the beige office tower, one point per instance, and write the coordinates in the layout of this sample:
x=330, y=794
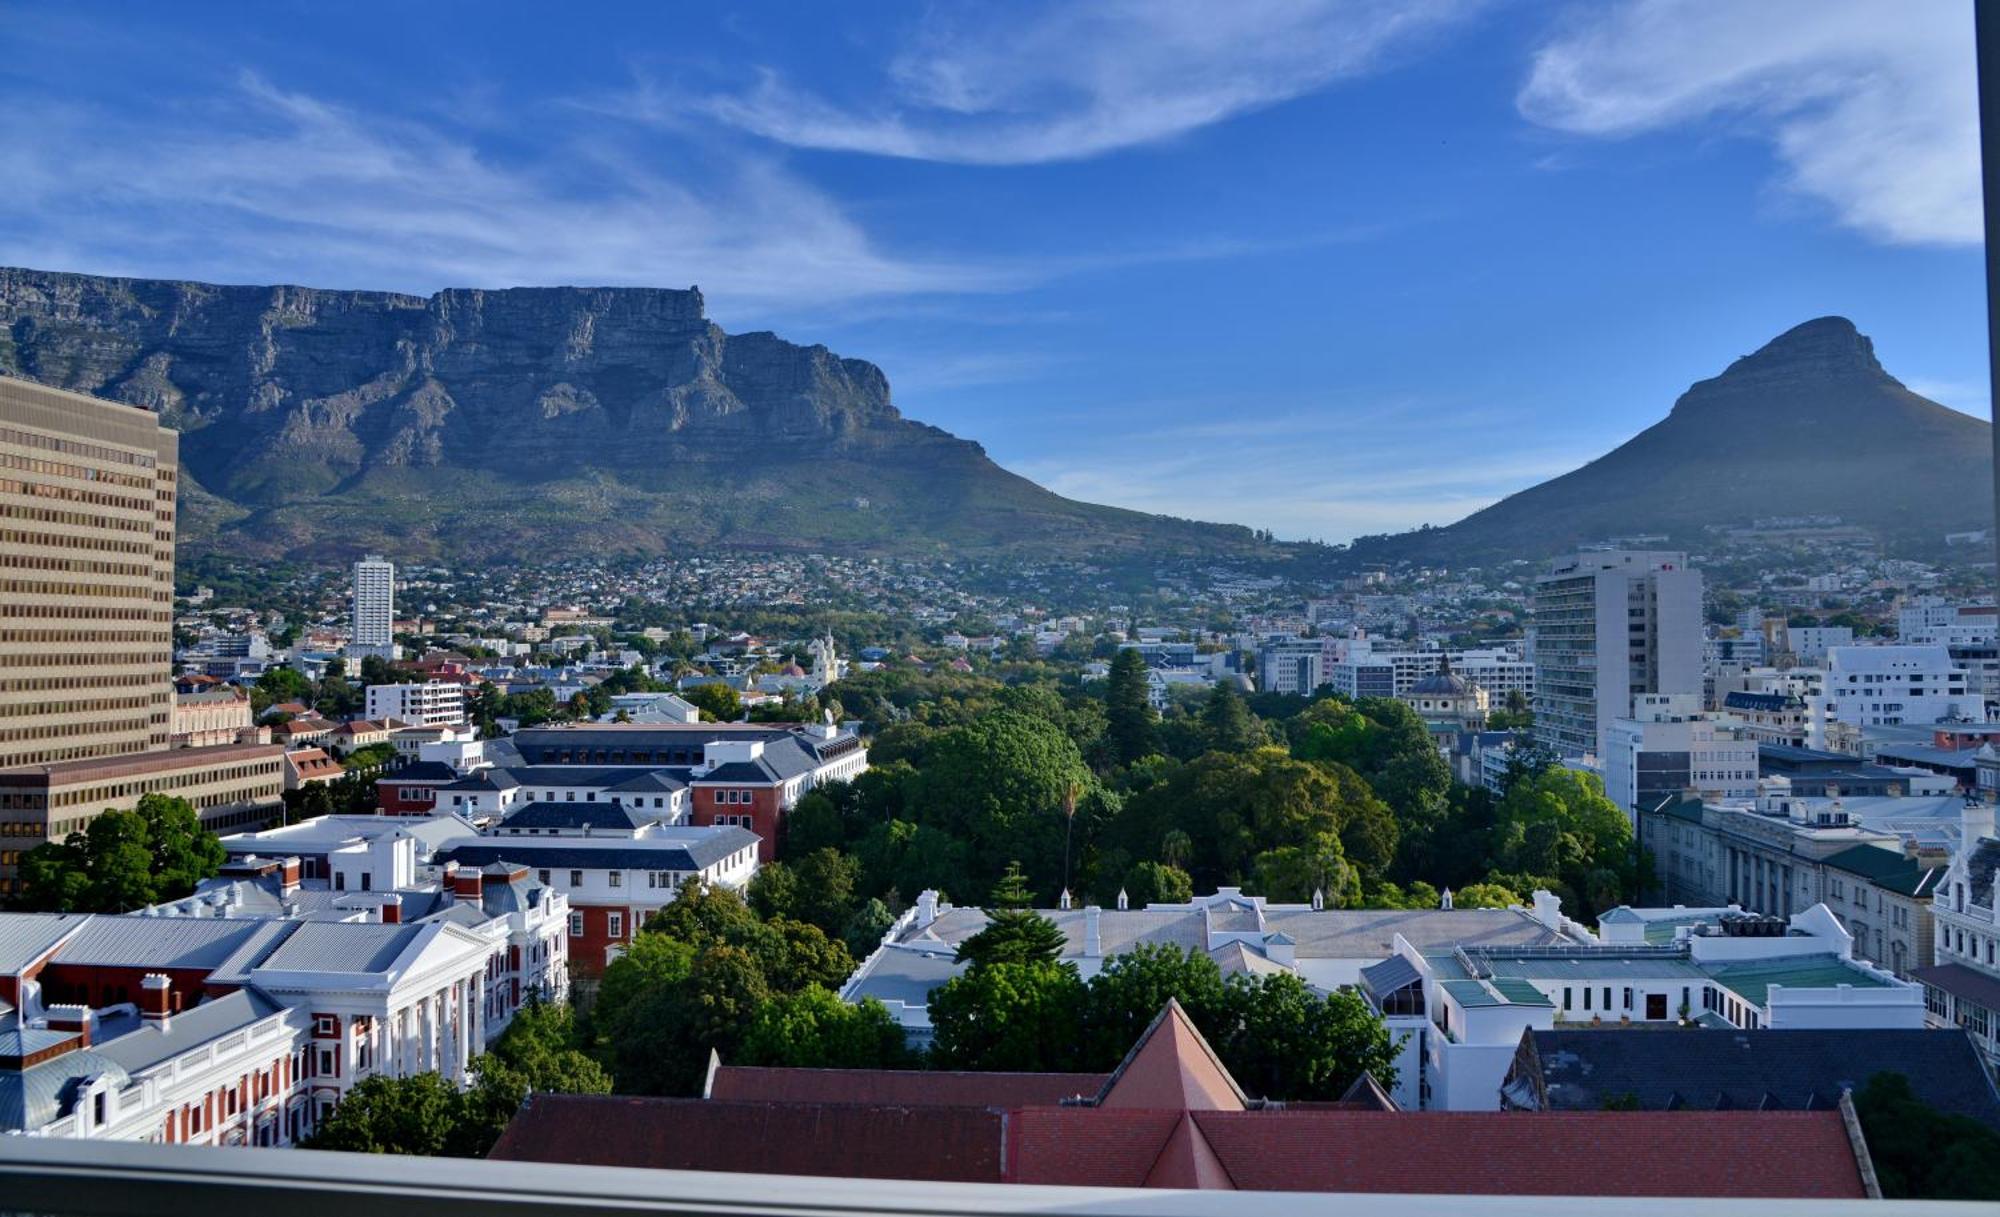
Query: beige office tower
x=86, y=576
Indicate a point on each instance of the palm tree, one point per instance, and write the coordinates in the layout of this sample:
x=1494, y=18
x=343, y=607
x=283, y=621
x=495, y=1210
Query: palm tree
x=1175, y=847
x=1070, y=794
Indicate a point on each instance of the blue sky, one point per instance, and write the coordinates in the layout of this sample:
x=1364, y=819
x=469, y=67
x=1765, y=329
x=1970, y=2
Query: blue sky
x=1325, y=268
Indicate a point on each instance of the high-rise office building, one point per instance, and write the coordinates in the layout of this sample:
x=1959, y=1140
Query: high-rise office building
x=1610, y=625
x=374, y=606
x=86, y=576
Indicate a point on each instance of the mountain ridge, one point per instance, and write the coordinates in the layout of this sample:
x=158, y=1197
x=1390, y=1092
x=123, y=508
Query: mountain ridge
x=1810, y=423
x=501, y=422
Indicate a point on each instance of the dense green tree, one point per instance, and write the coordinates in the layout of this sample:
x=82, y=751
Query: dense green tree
x=1128, y=708
x=999, y=785
x=1132, y=989
x=541, y=1052
x=794, y=954
x=1227, y=724
x=122, y=860
x=1157, y=883
x=634, y=1020
x=702, y=914
x=1921, y=1153
x=1009, y=1016
x=1013, y=936
x=1560, y=824
x=422, y=1114
x=863, y=932
x=717, y=702
x=814, y=1029
x=1291, y=874
x=1220, y=811
x=1288, y=1042
x=1485, y=896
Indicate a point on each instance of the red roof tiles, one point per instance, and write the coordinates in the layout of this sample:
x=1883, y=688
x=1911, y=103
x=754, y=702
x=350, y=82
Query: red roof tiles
x=909, y=1088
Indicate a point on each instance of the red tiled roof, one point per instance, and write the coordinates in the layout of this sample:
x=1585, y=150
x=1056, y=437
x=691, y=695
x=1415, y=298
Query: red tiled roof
x=960, y=1144
x=910, y=1088
x=1172, y=1068
x=1556, y=1153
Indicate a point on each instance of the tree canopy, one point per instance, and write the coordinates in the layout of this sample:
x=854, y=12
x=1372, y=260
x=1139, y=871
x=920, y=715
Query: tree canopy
x=122, y=860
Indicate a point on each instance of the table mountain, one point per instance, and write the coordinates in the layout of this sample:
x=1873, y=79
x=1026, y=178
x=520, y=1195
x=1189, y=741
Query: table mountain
x=1810, y=424
x=531, y=422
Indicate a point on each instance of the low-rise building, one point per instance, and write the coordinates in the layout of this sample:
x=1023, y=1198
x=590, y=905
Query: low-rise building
x=426, y=705
x=211, y=717
x=232, y=786
x=1781, y=854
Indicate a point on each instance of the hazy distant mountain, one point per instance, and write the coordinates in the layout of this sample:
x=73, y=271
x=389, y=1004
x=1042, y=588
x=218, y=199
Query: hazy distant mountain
x=532, y=422
x=1809, y=425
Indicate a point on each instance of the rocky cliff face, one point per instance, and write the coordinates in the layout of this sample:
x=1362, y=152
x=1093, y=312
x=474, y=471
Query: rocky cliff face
x=526, y=420
x=1809, y=424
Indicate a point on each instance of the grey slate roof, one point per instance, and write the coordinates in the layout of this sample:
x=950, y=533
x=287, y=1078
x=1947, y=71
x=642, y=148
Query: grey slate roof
x=1787, y=1070
x=570, y=817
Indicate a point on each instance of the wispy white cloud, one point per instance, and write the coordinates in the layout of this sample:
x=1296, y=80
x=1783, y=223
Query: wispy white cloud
x=1870, y=107
x=1009, y=85
x=256, y=182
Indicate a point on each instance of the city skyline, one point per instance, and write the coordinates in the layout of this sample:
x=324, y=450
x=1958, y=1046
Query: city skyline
x=1069, y=244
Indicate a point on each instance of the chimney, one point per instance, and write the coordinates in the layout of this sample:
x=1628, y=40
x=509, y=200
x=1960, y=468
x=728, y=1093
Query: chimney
x=156, y=998
x=288, y=876
x=467, y=884
x=1444, y=901
x=1093, y=933
x=1124, y=900
x=392, y=909
x=74, y=1019
x=1063, y=901
x=1548, y=908
x=927, y=907
x=1976, y=822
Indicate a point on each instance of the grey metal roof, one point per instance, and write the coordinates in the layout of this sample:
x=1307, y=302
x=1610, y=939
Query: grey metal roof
x=31, y=1098
x=689, y=850
x=572, y=817
x=341, y=946
x=158, y=942
x=150, y=1044
x=1789, y=1070
x=1391, y=974
x=26, y=937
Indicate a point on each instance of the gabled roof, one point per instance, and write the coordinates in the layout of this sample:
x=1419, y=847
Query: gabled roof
x=1172, y=1068
x=26, y=937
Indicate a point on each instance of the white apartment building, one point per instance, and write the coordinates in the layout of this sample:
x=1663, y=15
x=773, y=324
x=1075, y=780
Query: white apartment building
x=1887, y=685
x=425, y=705
x=1670, y=748
x=1610, y=625
x=1810, y=643
x=1294, y=665
x=374, y=607
x=1962, y=988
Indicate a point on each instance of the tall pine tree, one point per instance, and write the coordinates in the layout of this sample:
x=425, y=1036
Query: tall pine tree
x=1128, y=709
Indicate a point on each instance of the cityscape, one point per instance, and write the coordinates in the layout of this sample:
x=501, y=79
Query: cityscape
x=527, y=742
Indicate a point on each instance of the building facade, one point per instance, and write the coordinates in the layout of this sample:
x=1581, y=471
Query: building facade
x=1668, y=748
x=87, y=491
x=425, y=705
x=1608, y=626
x=374, y=627
x=232, y=787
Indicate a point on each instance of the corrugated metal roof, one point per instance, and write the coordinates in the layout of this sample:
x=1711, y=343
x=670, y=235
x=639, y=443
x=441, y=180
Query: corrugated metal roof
x=158, y=942
x=341, y=946
x=26, y=937
x=151, y=1044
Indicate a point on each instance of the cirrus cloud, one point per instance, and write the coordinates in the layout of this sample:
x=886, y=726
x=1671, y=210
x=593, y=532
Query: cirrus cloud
x=1871, y=108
